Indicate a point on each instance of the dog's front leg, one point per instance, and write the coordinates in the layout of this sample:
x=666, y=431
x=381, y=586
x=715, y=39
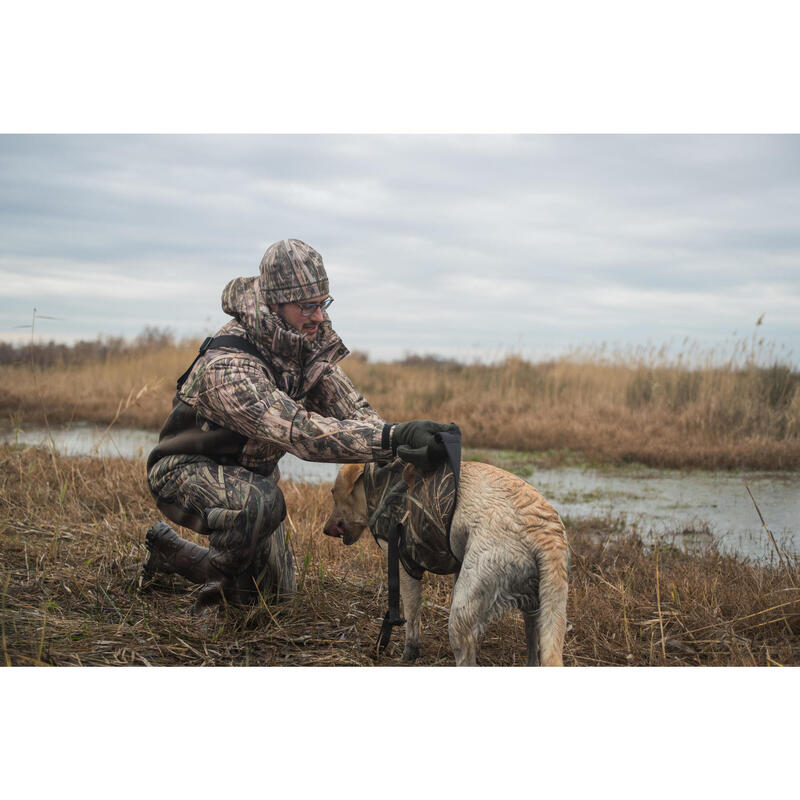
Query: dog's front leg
x=411, y=595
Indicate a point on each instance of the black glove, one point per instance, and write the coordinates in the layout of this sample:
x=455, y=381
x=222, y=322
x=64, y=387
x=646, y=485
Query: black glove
x=416, y=442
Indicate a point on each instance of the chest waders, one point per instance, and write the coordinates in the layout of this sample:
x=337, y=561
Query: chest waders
x=195, y=478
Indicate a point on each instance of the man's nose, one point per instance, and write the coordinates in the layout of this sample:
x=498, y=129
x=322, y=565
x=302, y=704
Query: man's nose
x=317, y=315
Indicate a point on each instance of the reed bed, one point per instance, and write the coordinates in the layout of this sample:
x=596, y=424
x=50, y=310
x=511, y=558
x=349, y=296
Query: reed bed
x=131, y=386
x=72, y=545
x=689, y=411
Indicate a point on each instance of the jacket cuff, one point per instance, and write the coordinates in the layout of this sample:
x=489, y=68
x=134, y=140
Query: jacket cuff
x=386, y=436
x=382, y=447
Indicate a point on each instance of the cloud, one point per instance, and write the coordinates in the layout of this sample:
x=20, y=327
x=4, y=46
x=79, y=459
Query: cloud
x=67, y=279
x=487, y=239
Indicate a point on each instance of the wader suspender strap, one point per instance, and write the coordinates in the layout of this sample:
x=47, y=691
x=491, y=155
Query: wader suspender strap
x=392, y=617
x=238, y=342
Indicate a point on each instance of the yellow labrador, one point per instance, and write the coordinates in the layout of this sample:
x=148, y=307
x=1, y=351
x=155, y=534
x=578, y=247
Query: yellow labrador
x=513, y=552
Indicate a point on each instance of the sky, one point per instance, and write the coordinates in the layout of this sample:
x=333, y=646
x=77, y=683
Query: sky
x=466, y=246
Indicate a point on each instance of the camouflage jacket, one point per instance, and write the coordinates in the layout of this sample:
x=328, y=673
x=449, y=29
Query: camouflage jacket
x=243, y=410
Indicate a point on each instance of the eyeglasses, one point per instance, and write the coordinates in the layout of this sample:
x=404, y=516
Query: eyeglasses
x=307, y=309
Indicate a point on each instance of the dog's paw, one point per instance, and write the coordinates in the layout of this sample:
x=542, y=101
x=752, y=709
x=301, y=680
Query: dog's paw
x=410, y=653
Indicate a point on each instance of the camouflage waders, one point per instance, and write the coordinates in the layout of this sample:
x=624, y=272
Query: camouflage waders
x=242, y=514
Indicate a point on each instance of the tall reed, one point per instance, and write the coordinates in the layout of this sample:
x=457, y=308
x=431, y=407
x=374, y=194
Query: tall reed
x=686, y=410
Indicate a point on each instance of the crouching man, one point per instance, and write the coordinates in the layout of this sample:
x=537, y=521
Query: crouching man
x=267, y=384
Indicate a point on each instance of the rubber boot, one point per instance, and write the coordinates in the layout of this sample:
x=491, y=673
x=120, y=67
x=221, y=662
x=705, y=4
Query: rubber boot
x=172, y=555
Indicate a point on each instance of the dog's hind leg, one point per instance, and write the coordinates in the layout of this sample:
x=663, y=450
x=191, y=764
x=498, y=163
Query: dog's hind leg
x=532, y=637
x=471, y=609
x=464, y=632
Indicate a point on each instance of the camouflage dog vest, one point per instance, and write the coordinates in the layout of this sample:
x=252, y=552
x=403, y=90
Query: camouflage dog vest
x=424, y=511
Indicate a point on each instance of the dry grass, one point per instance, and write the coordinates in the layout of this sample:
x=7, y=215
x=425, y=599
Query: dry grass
x=635, y=407
x=133, y=388
x=713, y=418
x=72, y=545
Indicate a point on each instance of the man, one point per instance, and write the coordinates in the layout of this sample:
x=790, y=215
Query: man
x=267, y=384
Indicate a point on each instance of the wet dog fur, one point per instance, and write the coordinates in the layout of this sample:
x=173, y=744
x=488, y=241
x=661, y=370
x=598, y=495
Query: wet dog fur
x=513, y=551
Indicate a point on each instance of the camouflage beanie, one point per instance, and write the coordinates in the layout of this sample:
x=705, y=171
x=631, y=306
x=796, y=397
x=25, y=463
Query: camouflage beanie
x=290, y=271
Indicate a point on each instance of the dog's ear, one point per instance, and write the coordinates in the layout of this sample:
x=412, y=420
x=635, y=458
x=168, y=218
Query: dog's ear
x=348, y=476
x=410, y=475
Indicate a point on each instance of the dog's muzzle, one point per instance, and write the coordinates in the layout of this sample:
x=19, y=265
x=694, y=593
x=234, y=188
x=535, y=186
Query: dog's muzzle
x=335, y=530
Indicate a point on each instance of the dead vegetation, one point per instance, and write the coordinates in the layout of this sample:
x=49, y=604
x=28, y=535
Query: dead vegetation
x=634, y=407
x=72, y=545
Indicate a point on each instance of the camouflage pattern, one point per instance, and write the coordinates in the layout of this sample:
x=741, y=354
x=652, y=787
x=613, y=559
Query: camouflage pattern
x=236, y=415
x=386, y=491
x=291, y=270
x=298, y=400
x=424, y=510
x=241, y=512
x=431, y=503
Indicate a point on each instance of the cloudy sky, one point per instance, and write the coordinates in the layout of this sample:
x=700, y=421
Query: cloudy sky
x=466, y=246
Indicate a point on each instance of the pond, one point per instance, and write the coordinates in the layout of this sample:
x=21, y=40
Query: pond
x=691, y=508
x=82, y=438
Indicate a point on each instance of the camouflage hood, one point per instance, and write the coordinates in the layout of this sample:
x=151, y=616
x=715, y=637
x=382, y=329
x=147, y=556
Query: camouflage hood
x=243, y=299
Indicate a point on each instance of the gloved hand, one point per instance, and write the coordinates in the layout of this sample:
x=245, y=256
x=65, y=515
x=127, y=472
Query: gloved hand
x=416, y=442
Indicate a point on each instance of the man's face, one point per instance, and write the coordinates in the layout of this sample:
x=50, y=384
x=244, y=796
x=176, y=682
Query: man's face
x=292, y=315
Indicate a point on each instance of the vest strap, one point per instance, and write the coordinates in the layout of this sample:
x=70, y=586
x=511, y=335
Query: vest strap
x=392, y=617
x=210, y=343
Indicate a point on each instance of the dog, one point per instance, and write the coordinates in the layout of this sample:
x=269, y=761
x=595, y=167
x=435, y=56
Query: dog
x=513, y=551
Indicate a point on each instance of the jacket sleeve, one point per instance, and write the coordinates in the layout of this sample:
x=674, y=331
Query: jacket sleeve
x=335, y=396
x=235, y=393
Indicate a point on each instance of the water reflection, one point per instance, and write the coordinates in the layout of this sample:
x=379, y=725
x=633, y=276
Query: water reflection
x=82, y=439
x=692, y=508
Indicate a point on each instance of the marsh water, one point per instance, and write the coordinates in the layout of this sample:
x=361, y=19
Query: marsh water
x=689, y=508
x=84, y=439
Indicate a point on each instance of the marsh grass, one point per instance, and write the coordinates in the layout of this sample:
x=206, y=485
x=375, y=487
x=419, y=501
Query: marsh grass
x=128, y=387
x=693, y=409
x=72, y=545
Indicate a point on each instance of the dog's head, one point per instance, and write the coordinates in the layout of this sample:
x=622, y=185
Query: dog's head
x=349, y=516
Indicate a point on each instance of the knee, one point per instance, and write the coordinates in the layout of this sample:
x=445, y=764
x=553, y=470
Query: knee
x=264, y=508
x=270, y=506
x=259, y=512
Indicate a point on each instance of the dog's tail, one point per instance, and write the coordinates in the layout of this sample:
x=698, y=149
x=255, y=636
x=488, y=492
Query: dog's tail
x=552, y=556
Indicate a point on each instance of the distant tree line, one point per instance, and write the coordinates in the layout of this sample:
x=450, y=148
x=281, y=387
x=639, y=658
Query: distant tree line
x=52, y=353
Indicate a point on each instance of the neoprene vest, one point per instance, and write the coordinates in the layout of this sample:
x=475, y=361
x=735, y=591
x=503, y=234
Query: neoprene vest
x=424, y=513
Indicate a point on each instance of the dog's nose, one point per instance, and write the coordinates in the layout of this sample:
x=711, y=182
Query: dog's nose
x=334, y=530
